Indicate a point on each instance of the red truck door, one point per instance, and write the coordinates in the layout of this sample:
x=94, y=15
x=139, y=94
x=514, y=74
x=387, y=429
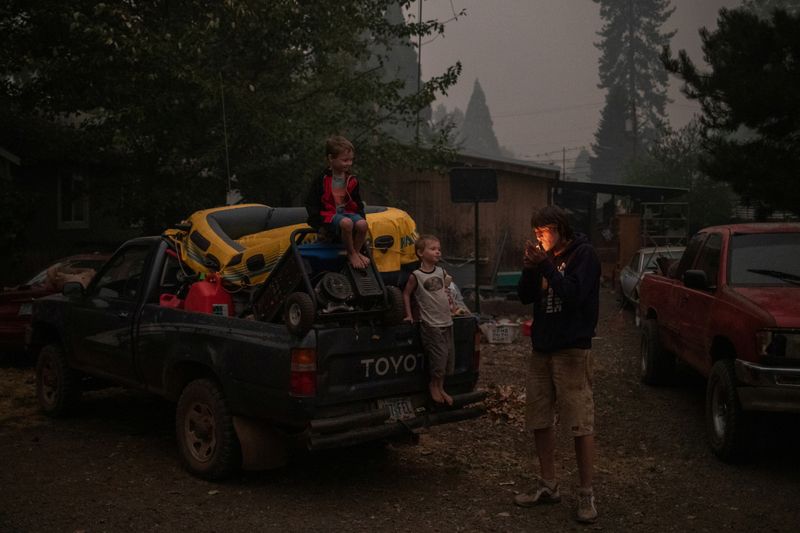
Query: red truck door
x=671, y=313
x=696, y=305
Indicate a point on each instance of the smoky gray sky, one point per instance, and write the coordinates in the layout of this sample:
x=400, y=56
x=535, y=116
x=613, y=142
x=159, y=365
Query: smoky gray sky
x=537, y=64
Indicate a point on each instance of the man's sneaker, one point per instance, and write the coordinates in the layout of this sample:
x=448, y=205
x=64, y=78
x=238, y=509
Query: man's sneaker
x=542, y=493
x=587, y=512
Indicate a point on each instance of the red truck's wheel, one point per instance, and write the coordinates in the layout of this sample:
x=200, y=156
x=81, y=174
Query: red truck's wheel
x=57, y=385
x=657, y=365
x=727, y=424
x=204, y=428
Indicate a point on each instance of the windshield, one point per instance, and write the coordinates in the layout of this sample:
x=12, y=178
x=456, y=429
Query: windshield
x=63, y=266
x=765, y=259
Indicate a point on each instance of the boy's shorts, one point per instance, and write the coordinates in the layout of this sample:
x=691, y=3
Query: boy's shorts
x=438, y=345
x=561, y=382
x=336, y=221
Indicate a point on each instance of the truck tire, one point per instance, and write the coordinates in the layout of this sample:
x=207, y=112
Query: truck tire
x=396, y=310
x=299, y=313
x=656, y=364
x=58, y=387
x=204, y=428
x=728, y=426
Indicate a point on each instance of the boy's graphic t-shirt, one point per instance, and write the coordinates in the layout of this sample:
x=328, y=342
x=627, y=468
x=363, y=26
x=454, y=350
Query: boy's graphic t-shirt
x=551, y=302
x=339, y=191
x=431, y=298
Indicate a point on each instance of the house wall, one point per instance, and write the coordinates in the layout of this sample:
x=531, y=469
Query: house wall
x=43, y=241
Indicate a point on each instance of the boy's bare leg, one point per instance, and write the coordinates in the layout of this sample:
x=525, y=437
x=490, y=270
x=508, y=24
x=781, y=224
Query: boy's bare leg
x=546, y=450
x=435, y=387
x=359, y=238
x=584, y=454
x=447, y=398
x=346, y=230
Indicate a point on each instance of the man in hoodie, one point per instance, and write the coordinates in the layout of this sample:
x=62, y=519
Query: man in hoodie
x=561, y=277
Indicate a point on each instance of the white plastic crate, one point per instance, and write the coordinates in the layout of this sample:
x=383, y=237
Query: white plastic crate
x=504, y=333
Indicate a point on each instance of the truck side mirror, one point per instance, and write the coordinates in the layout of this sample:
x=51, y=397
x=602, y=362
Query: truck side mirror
x=696, y=279
x=72, y=288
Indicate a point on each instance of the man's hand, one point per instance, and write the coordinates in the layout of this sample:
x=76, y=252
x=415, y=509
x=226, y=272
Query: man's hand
x=533, y=255
x=408, y=318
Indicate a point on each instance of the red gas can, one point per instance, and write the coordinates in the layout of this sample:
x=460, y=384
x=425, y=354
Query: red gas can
x=209, y=296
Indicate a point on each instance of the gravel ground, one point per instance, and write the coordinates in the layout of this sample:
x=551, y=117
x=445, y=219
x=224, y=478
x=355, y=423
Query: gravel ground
x=114, y=466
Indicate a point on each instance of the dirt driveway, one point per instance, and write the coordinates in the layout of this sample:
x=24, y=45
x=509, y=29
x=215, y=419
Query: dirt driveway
x=114, y=466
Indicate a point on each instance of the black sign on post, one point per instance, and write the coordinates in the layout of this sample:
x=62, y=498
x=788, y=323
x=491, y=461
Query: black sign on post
x=474, y=185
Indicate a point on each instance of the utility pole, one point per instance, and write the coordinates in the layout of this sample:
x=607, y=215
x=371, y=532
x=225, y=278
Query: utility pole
x=632, y=74
x=419, y=68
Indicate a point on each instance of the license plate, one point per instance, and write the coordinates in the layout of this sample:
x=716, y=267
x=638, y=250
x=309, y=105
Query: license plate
x=399, y=408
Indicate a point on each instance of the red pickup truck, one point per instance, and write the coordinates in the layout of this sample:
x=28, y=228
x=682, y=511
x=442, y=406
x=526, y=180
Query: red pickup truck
x=730, y=308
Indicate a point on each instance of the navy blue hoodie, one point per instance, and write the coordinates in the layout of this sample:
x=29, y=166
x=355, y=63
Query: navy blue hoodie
x=565, y=292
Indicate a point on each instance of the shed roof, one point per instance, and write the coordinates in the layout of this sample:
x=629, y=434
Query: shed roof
x=516, y=166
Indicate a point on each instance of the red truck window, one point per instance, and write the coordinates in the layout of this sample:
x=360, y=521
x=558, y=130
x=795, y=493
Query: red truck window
x=687, y=260
x=709, y=258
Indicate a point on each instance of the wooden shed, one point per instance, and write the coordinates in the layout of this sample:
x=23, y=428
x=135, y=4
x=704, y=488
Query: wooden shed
x=504, y=225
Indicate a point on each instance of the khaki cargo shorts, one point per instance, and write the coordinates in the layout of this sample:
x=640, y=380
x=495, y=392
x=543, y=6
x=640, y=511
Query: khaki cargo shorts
x=437, y=342
x=560, y=383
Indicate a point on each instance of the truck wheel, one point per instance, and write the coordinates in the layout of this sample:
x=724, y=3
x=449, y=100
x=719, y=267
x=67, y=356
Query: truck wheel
x=656, y=364
x=204, y=428
x=298, y=314
x=727, y=424
x=58, y=386
x=396, y=310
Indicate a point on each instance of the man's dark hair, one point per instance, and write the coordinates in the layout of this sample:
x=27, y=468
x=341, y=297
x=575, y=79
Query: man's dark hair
x=552, y=215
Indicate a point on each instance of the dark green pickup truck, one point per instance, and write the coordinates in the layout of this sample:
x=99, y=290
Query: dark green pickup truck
x=245, y=390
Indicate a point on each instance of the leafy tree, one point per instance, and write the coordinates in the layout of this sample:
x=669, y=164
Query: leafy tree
x=172, y=94
x=477, y=131
x=449, y=122
x=636, y=81
x=674, y=161
x=750, y=117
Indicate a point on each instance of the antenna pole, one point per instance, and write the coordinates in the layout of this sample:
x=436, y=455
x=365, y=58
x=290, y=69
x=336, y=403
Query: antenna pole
x=225, y=135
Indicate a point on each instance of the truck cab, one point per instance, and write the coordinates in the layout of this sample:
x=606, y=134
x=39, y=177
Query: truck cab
x=730, y=310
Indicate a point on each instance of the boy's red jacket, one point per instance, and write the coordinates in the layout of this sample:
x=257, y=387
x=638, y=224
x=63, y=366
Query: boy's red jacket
x=320, y=203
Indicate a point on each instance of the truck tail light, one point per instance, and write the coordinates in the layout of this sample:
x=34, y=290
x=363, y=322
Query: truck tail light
x=476, y=354
x=303, y=377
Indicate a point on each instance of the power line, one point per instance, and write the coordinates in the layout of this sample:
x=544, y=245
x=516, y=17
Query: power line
x=562, y=150
x=547, y=110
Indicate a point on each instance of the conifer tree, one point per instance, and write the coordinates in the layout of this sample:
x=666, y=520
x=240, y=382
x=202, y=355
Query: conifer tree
x=477, y=131
x=750, y=115
x=764, y=8
x=401, y=69
x=580, y=170
x=632, y=73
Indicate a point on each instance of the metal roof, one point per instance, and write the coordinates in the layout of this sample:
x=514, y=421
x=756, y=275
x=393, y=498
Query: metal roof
x=643, y=192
